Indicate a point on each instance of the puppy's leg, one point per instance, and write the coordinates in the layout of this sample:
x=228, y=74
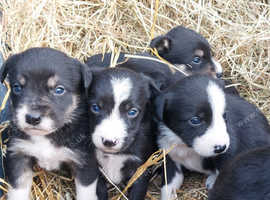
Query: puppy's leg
x=102, y=188
x=139, y=188
x=19, y=173
x=86, y=180
x=211, y=179
x=175, y=179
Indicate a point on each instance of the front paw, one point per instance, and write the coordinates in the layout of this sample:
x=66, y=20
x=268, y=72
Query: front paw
x=210, y=181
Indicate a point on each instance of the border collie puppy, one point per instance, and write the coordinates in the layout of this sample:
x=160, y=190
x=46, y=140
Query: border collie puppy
x=50, y=123
x=208, y=127
x=185, y=46
x=190, y=51
x=121, y=124
x=245, y=178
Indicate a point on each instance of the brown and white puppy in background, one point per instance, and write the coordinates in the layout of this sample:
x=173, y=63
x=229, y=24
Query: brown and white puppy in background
x=49, y=125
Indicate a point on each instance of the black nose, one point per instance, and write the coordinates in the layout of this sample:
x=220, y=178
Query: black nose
x=219, y=148
x=109, y=143
x=219, y=75
x=33, y=119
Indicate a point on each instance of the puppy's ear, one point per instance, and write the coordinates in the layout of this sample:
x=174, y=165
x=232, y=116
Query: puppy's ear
x=7, y=65
x=87, y=76
x=162, y=44
x=153, y=86
x=160, y=104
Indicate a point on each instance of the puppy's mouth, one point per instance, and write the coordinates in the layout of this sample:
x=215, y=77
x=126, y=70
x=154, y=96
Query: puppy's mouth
x=36, y=131
x=110, y=151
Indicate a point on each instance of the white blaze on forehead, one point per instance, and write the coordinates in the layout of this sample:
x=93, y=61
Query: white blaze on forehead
x=216, y=99
x=216, y=134
x=218, y=66
x=121, y=90
x=113, y=127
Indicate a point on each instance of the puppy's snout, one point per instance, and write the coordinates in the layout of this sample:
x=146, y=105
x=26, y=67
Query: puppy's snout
x=33, y=119
x=109, y=143
x=219, y=75
x=219, y=148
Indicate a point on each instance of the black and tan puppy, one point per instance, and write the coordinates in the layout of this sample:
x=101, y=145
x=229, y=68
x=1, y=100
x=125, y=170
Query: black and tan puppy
x=50, y=123
x=185, y=47
x=191, y=52
x=121, y=126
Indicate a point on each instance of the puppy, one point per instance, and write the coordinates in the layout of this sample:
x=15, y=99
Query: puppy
x=185, y=46
x=208, y=127
x=191, y=52
x=49, y=121
x=121, y=124
x=245, y=178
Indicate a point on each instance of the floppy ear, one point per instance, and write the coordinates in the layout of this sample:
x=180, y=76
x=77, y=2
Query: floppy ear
x=154, y=88
x=162, y=44
x=87, y=76
x=11, y=61
x=160, y=104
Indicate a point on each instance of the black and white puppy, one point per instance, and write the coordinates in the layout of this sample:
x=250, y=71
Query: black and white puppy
x=208, y=127
x=184, y=46
x=245, y=178
x=50, y=121
x=121, y=124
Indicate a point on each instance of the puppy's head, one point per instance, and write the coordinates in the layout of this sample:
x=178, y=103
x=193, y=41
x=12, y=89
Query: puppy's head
x=195, y=110
x=45, y=89
x=182, y=46
x=119, y=101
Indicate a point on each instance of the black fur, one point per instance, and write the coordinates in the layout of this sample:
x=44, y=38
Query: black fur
x=30, y=72
x=140, y=139
x=246, y=125
x=159, y=72
x=180, y=46
x=245, y=178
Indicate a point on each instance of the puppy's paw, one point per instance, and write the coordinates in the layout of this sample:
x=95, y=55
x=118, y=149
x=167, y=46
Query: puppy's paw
x=210, y=181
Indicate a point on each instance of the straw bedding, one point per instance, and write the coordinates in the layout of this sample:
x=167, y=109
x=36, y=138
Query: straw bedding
x=239, y=32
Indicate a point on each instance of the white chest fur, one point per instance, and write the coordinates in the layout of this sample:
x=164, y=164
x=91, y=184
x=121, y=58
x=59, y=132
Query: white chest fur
x=48, y=155
x=181, y=153
x=113, y=163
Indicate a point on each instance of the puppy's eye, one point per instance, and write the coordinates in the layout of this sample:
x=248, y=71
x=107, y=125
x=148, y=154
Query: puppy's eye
x=59, y=90
x=195, y=121
x=95, y=108
x=133, y=112
x=196, y=60
x=17, y=88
